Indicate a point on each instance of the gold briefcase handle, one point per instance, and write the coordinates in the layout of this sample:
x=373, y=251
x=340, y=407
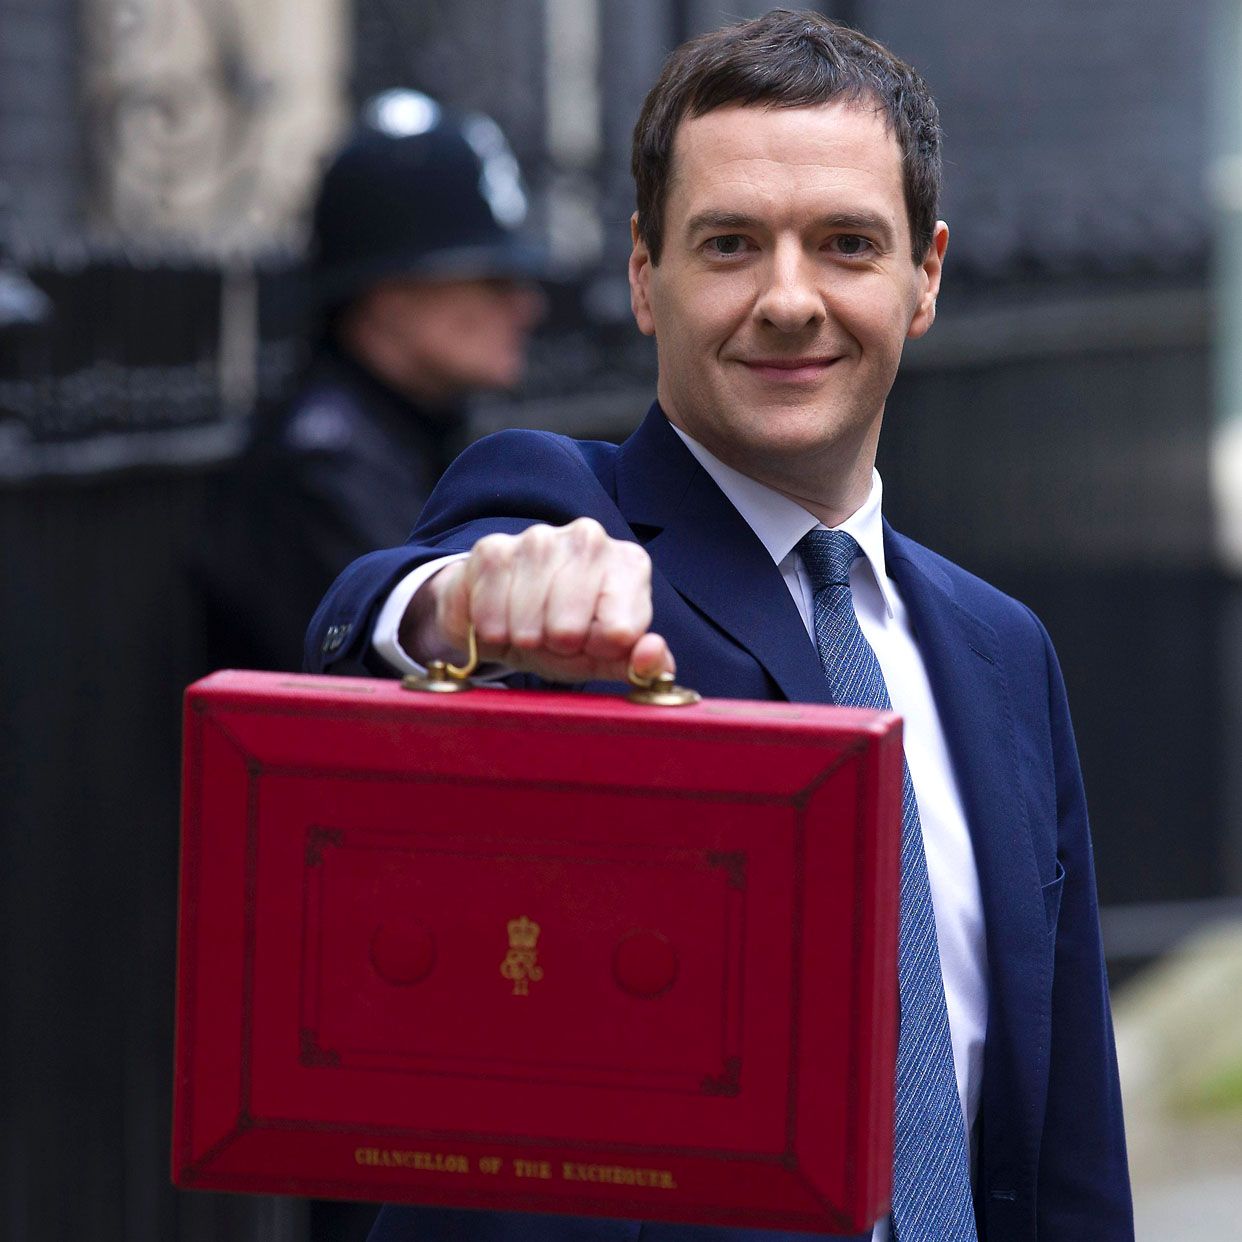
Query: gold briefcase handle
x=444, y=678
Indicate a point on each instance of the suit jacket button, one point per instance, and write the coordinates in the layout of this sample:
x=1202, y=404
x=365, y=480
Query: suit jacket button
x=335, y=636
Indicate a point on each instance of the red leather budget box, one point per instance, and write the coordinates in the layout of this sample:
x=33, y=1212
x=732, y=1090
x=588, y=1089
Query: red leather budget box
x=538, y=952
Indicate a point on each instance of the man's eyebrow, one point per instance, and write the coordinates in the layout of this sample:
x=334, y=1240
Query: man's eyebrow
x=726, y=221
x=839, y=221
x=859, y=222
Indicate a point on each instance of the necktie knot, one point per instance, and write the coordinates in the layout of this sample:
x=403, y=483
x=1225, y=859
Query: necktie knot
x=828, y=555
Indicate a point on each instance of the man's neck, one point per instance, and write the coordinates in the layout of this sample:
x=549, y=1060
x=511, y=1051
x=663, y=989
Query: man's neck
x=830, y=485
x=845, y=501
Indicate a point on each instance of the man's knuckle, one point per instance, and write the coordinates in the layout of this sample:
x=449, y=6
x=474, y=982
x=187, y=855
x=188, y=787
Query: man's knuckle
x=536, y=540
x=588, y=535
x=493, y=551
x=636, y=557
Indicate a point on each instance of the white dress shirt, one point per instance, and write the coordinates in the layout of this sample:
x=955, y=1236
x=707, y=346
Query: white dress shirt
x=780, y=523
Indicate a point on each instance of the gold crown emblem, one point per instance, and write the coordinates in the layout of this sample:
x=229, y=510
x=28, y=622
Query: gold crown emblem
x=523, y=933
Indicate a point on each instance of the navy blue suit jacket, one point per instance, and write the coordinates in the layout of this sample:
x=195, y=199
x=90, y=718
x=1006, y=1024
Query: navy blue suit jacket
x=1051, y=1157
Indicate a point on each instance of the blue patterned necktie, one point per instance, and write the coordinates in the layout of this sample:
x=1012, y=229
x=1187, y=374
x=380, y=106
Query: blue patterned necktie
x=931, y=1178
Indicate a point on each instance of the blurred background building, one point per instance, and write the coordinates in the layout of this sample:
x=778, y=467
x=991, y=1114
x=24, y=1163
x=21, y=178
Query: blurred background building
x=1071, y=430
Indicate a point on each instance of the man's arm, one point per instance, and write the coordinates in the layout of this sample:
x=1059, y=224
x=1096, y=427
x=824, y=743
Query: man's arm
x=553, y=582
x=566, y=603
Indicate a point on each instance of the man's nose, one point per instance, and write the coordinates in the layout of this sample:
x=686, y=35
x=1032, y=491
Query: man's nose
x=790, y=299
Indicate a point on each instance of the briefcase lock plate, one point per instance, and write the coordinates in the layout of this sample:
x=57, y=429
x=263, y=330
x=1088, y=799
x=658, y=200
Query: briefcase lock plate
x=661, y=691
x=442, y=677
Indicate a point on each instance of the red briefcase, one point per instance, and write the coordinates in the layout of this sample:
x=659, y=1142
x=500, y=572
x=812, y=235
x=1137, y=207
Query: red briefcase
x=538, y=952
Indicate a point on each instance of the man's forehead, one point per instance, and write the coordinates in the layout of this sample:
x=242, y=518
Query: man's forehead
x=736, y=125
x=844, y=132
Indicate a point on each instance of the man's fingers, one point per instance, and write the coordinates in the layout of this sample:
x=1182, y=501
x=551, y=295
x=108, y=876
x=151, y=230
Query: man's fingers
x=622, y=605
x=572, y=595
x=569, y=603
x=651, y=657
x=451, y=592
x=537, y=553
x=556, y=575
x=488, y=571
x=569, y=609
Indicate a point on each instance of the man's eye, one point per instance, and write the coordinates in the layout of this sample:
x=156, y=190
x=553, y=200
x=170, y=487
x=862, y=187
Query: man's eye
x=730, y=243
x=851, y=244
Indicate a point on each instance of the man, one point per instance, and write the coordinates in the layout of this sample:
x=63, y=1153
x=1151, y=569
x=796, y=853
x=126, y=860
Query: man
x=420, y=276
x=785, y=247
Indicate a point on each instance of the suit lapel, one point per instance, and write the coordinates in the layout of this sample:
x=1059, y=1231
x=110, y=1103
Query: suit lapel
x=965, y=665
x=704, y=548
x=707, y=552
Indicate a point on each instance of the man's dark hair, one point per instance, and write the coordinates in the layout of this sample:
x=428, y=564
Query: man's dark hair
x=787, y=60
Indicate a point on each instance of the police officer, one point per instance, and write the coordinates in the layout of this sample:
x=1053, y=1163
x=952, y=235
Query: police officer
x=421, y=278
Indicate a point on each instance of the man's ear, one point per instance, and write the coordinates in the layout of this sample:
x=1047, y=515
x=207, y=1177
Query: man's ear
x=929, y=282
x=640, y=281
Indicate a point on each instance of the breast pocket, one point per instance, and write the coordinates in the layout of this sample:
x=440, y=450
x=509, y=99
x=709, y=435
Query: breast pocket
x=1052, y=897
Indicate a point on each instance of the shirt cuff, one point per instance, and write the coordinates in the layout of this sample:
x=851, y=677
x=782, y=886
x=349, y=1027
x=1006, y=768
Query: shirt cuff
x=384, y=636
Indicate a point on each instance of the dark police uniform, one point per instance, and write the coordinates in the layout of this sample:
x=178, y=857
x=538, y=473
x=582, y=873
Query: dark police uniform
x=342, y=469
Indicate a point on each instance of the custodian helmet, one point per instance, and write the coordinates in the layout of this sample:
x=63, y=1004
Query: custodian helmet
x=419, y=190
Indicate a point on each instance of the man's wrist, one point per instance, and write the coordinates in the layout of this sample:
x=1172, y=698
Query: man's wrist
x=419, y=632
x=392, y=633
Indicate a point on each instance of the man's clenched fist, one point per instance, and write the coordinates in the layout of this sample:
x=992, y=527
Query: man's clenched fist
x=567, y=603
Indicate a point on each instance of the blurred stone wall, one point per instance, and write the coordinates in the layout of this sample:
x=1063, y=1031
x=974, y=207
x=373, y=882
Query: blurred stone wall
x=206, y=121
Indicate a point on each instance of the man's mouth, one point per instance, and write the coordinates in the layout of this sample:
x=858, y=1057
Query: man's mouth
x=781, y=370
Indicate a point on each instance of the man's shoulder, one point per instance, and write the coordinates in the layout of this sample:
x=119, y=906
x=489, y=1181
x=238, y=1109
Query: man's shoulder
x=524, y=463
x=1010, y=617
x=524, y=475
x=522, y=443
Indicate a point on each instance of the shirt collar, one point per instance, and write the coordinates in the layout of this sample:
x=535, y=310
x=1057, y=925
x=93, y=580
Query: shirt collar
x=780, y=522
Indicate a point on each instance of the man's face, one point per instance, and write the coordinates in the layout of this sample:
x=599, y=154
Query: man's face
x=449, y=337
x=785, y=291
